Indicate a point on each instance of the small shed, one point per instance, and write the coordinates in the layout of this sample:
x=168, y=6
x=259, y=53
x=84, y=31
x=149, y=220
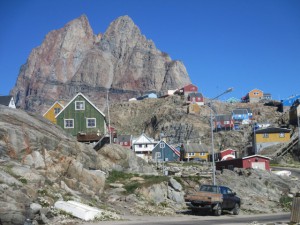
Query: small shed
x=249, y=162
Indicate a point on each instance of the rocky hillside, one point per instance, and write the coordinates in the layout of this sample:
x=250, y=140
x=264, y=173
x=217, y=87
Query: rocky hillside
x=40, y=164
x=170, y=116
x=73, y=59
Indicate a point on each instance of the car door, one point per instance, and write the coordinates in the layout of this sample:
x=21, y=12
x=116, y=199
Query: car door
x=223, y=191
x=230, y=199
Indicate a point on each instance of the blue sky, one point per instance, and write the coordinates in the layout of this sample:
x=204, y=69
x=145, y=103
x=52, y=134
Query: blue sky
x=223, y=43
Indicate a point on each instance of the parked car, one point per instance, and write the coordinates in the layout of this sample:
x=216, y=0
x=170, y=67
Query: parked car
x=215, y=198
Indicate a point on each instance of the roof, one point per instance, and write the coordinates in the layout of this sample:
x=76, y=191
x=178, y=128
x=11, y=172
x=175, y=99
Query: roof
x=5, y=100
x=273, y=130
x=227, y=149
x=248, y=109
x=255, y=89
x=253, y=156
x=124, y=138
x=223, y=117
x=195, y=95
x=57, y=102
x=85, y=99
x=240, y=111
x=195, y=147
x=143, y=139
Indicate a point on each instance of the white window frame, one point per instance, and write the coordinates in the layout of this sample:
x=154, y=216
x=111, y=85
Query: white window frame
x=191, y=154
x=281, y=135
x=87, y=122
x=56, y=109
x=79, y=102
x=65, y=120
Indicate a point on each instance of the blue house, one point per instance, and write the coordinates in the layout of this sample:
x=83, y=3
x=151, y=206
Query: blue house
x=240, y=114
x=290, y=100
x=164, y=152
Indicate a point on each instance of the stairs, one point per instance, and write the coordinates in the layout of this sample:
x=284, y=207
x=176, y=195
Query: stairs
x=288, y=148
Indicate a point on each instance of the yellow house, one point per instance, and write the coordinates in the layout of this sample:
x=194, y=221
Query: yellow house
x=270, y=136
x=53, y=111
x=192, y=151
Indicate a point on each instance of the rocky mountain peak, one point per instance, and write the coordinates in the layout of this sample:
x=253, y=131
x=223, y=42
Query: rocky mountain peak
x=73, y=59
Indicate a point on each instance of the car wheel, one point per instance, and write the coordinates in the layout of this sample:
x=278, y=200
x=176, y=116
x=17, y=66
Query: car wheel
x=236, y=209
x=218, y=210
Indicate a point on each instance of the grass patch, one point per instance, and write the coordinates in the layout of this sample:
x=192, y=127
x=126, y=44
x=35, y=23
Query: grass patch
x=131, y=186
x=120, y=176
x=286, y=202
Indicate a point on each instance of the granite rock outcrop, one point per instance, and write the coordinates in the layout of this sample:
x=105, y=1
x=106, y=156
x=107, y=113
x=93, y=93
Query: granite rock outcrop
x=74, y=59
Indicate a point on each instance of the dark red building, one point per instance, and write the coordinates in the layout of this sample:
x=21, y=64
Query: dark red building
x=253, y=161
x=190, y=88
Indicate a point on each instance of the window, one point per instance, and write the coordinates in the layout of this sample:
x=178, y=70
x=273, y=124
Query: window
x=79, y=105
x=125, y=143
x=56, y=111
x=140, y=146
x=69, y=123
x=265, y=135
x=191, y=154
x=157, y=155
x=281, y=135
x=202, y=153
x=90, y=122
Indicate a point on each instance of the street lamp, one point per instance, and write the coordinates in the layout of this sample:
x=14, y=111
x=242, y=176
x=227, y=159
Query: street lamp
x=212, y=133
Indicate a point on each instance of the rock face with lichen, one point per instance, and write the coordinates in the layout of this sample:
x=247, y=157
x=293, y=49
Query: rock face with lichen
x=73, y=59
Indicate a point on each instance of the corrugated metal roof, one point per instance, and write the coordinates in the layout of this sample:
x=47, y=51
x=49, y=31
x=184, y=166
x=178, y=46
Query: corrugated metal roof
x=273, y=130
x=195, y=147
x=223, y=117
x=240, y=111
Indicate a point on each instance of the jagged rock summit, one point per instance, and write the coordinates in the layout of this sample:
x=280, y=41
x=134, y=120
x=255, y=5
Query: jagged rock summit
x=73, y=59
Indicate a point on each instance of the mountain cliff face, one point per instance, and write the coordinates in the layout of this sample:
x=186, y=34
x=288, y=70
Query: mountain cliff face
x=74, y=59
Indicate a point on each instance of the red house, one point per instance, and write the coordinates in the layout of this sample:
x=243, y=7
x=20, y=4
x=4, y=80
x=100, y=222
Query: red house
x=195, y=98
x=249, y=162
x=190, y=88
x=124, y=140
x=223, y=122
x=227, y=154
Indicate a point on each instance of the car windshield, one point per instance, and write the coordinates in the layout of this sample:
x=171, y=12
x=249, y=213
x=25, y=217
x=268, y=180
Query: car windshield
x=208, y=188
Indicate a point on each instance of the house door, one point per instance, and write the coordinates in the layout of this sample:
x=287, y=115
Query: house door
x=258, y=165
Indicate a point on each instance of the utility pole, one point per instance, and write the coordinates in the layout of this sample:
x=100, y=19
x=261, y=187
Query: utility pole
x=109, y=128
x=212, y=134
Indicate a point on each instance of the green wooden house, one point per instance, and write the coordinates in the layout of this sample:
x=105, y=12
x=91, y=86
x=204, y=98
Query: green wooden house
x=81, y=118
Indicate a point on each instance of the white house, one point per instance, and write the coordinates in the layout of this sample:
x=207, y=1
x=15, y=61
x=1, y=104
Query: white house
x=143, y=146
x=7, y=101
